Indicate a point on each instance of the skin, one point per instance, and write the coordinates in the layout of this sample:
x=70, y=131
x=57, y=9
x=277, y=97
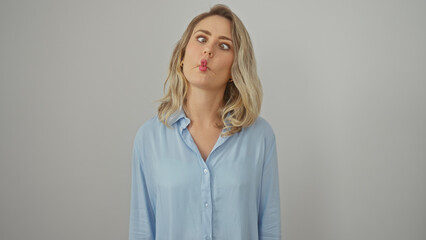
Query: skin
x=210, y=40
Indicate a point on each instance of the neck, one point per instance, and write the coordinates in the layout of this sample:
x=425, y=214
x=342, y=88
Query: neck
x=202, y=107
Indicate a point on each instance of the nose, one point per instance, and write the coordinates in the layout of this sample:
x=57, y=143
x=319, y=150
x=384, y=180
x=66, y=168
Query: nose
x=208, y=52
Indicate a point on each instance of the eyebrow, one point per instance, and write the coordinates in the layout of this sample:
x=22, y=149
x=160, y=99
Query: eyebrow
x=208, y=33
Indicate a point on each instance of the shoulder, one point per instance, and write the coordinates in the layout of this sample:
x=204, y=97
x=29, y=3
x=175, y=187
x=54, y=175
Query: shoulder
x=261, y=129
x=263, y=126
x=149, y=129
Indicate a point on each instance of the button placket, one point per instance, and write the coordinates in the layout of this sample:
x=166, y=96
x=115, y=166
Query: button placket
x=206, y=198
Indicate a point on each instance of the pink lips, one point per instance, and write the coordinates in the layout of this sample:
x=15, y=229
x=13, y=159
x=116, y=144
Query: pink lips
x=203, y=66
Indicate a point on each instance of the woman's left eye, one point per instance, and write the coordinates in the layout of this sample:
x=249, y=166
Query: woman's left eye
x=225, y=46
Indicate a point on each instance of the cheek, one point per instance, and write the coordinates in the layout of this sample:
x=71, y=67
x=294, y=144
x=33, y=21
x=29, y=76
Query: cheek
x=191, y=49
x=228, y=62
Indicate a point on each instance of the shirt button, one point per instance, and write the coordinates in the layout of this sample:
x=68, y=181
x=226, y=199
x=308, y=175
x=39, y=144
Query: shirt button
x=205, y=171
x=206, y=204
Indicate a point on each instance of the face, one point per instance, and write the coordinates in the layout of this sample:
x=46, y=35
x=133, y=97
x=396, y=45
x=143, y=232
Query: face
x=209, y=54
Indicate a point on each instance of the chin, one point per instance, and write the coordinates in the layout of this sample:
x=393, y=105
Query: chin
x=200, y=84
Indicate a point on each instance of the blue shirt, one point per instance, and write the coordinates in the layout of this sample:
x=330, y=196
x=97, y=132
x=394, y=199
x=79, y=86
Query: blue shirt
x=176, y=195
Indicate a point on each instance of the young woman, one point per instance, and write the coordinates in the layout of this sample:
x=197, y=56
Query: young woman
x=206, y=166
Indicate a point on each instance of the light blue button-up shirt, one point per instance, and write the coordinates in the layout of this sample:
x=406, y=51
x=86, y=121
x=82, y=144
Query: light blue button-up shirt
x=176, y=195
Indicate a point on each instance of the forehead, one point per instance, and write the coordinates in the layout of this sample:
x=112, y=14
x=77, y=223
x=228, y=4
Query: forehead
x=217, y=25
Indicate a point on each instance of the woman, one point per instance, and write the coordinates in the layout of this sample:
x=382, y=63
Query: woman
x=206, y=166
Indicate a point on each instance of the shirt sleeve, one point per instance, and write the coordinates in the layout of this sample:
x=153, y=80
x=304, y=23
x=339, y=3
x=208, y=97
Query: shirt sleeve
x=142, y=218
x=269, y=219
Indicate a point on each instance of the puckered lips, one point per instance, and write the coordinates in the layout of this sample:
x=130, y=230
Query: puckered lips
x=203, y=65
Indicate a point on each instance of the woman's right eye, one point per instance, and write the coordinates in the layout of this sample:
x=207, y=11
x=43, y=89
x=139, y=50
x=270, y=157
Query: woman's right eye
x=201, y=39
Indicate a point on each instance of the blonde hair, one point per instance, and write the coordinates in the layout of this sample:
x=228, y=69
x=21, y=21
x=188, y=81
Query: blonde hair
x=243, y=96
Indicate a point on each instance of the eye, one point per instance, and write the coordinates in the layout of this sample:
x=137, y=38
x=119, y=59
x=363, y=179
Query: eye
x=201, y=39
x=225, y=46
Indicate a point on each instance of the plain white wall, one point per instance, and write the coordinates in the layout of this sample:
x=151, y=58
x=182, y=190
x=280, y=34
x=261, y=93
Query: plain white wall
x=345, y=91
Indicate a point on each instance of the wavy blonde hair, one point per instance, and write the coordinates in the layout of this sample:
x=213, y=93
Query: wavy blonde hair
x=243, y=96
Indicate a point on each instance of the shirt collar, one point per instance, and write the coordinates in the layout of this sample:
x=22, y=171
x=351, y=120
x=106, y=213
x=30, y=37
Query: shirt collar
x=183, y=121
x=180, y=118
